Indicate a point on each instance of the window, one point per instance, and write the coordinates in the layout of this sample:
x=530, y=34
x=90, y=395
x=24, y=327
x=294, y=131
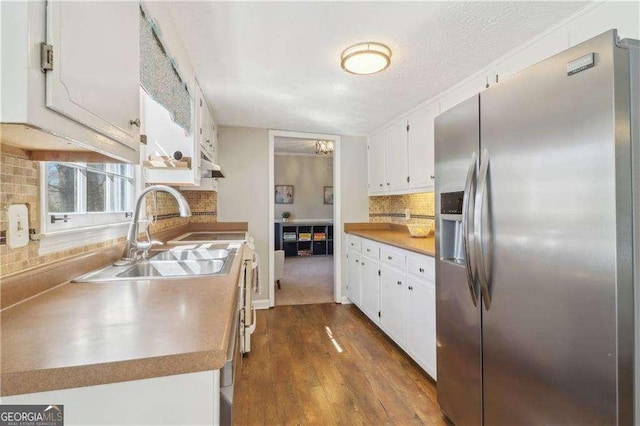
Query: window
x=79, y=195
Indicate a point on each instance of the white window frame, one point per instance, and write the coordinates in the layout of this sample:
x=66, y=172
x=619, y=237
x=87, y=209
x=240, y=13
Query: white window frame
x=82, y=228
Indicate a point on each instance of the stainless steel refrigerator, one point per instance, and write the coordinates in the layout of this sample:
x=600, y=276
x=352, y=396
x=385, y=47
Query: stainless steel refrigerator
x=534, y=243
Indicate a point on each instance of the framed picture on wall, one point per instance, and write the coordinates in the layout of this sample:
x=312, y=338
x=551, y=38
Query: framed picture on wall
x=328, y=194
x=284, y=194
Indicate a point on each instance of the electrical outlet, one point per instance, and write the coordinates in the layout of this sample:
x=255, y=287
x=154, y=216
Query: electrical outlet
x=407, y=214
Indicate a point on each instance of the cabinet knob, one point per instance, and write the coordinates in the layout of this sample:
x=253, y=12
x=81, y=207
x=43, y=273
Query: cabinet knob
x=362, y=263
x=388, y=184
x=135, y=122
x=399, y=282
x=410, y=288
x=368, y=250
x=421, y=269
x=380, y=184
x=357, y=261
x=389, y=257
x=432, y=177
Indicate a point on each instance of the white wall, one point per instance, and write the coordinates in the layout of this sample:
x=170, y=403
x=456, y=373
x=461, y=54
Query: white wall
x=354, y=193
x=309, y=175
x=243, y=194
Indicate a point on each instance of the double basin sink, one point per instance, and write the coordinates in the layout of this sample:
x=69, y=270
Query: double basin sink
x=174, y=263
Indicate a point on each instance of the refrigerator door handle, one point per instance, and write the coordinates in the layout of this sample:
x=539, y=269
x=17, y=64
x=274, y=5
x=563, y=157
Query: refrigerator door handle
x=467, y=228
x=477, y=229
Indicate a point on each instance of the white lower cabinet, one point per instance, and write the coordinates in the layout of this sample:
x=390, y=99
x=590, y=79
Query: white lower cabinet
x=396, y=289
x=393, y=312
x=370, y=288
x=353, y=276
x=421, y=323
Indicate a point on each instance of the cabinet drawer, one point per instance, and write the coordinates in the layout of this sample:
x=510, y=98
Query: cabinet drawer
x=371, y=249
x=354, y=243
x=393, y=257
x=421, y=266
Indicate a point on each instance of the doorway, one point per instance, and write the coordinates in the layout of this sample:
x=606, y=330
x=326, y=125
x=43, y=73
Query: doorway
x=304, y=216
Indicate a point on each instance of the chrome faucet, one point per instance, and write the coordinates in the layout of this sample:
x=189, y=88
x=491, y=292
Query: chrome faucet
x=132, y=245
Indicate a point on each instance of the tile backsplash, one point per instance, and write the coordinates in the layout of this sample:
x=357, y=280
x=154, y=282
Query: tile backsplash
x=19, y=183
x=391, y=208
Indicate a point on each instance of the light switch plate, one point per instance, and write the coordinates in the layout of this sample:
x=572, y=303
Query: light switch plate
x=18, y=231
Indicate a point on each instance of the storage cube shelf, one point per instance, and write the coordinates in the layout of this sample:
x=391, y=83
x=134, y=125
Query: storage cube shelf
x=308, y=239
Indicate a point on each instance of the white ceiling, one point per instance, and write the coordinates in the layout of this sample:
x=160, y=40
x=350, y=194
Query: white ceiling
x=295, y=146
x=277, y=64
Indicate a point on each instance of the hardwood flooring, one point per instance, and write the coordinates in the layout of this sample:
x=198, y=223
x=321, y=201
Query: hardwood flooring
x=307, y=280
x=295, y=374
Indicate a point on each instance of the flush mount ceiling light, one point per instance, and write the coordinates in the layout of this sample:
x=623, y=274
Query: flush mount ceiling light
x=324, y=147
x=366, y=58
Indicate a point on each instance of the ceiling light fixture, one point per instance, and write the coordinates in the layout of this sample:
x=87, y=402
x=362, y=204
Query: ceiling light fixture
x=366, y=58
x=324, y=147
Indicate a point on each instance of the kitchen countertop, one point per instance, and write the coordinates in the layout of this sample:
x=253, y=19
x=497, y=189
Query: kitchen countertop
x=395, y=235
x=83, y=334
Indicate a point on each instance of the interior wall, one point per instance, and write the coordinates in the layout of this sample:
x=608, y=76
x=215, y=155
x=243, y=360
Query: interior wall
x=243, y=193
x=354, y=191
x=308, y=175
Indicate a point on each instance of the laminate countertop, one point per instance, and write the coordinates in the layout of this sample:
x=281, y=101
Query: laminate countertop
x=83, y=334
x=395, y=235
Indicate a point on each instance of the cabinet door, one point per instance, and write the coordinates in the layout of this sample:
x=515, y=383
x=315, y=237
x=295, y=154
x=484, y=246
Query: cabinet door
x=370, y=289
x=393, y=286
x=541, y=49
x=96, y=66
x=375, y=157
x=420, y=147
x=621, y=15
x=395, y=156
x=353, y=276
x=464, y=92
x=421, y=323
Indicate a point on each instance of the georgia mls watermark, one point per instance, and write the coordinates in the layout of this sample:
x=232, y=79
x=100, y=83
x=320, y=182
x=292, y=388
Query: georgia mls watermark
x=31, y=415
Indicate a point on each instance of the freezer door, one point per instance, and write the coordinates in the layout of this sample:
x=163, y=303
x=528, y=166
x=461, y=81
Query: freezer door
x=457, y=317
x=556, y=239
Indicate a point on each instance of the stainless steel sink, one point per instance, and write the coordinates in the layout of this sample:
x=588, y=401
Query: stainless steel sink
x=196, y=254
x=168, y=264
x=173, y=268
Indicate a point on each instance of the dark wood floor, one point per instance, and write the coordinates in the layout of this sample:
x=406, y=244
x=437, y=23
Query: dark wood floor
x=295, y=375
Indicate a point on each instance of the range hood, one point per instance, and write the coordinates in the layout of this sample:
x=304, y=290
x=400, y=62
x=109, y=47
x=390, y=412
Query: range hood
x=209, y=169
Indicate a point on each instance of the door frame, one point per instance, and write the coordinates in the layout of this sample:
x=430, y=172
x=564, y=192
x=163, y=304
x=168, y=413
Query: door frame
x=337, y=209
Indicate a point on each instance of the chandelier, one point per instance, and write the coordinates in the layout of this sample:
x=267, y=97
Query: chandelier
x=324, y=147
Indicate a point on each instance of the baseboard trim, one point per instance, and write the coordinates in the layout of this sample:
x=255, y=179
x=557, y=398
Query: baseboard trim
x=261, y=304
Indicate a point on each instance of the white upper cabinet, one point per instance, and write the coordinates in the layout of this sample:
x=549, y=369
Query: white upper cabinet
x=87, y=100
x=207, y=132
x=376, y=161
x=395, y=156
x=621, y=15
x=165, y=138
x=96, y=74
x=463, y=92
x=401, y=156
x=420, y=147
x=549, y=45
